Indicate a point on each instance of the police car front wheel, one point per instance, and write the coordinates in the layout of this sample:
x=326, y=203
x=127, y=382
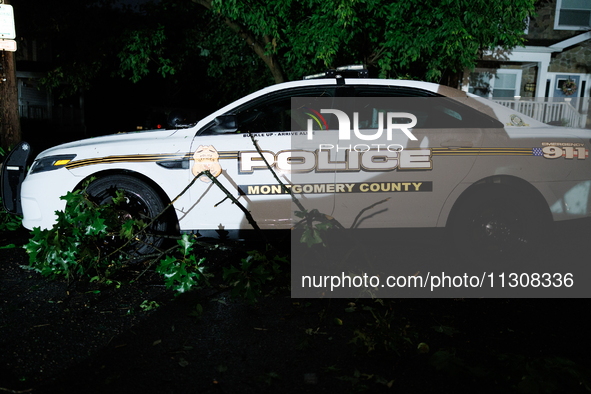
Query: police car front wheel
x=142, y=202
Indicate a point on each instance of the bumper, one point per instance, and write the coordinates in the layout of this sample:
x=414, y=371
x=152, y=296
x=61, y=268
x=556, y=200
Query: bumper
x=40, y=197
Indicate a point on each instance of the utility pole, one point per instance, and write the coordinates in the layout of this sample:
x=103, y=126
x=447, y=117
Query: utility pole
x=10, y=131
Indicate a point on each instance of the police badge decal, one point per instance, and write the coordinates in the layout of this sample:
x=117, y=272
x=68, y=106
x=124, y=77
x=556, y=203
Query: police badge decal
x=206, y=158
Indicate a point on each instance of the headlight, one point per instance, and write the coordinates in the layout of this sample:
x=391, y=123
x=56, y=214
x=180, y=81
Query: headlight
x=51, y=163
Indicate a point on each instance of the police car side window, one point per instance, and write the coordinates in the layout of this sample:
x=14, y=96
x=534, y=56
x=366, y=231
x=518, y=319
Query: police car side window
x=273, y=116
x=449, y=113
x=272, y=113
x=369, y=110
x=431, y=110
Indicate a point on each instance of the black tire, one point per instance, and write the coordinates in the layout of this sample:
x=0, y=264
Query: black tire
x=142, y=202
x=498, y=224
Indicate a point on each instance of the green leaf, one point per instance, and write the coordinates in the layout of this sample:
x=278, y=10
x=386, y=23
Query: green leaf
x=127, y=229
x=301, y=214
x=310, y=237
x=96, y=227
x=186, y=244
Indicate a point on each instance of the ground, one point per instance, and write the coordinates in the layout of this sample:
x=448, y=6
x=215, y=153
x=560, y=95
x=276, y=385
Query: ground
x=79, y=337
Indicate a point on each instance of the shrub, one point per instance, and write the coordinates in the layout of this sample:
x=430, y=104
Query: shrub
x=82, y=239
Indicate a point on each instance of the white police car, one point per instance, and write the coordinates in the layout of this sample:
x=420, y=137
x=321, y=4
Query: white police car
x=493, y=175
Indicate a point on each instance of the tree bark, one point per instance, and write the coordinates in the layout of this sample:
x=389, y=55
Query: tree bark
x=10, y=130
x=258, y=47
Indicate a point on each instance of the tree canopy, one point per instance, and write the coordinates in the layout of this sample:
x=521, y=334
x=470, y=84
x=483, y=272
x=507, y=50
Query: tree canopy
x=244, y=45
x=418, y=38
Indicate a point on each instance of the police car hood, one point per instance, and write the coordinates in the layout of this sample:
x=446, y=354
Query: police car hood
x=129, y=143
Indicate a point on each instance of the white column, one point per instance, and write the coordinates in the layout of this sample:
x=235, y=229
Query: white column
x=542, y=76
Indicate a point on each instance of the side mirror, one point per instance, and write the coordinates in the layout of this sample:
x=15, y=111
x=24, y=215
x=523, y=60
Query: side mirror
x=225, y=124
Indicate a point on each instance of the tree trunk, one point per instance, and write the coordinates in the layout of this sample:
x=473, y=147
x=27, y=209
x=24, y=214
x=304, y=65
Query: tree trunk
x=10, y=130
x=259, y=48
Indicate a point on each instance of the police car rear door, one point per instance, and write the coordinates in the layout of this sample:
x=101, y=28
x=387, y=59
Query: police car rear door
x=433, y=157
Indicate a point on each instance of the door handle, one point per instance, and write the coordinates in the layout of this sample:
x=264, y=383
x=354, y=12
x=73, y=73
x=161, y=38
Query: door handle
x=457, y=144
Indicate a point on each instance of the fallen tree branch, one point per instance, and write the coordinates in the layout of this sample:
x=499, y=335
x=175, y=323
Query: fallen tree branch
x=366, y=209
x=283, y=187
x=159, y=215
x=249, y=217
x=15, y=391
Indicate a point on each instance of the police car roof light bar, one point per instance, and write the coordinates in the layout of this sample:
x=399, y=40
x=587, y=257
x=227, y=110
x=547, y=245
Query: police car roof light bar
x=352, y=71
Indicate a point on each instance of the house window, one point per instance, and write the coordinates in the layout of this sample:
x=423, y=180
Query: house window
x=500, y=83
x=572, y=15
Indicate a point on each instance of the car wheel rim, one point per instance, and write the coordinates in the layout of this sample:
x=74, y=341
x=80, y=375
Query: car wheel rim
x=136, y=208
x=500, y=231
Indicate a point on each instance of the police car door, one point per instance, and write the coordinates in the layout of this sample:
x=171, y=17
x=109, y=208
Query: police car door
x=413, y=171
x=238, y=165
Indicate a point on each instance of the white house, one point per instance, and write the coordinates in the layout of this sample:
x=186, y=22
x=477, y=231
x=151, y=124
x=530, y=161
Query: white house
x=549, y=78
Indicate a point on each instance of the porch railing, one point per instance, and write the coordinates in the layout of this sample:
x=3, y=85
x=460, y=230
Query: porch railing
x=556, y=111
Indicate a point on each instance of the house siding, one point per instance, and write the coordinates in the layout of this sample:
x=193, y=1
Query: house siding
x=574, y=60
x=542, y=27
